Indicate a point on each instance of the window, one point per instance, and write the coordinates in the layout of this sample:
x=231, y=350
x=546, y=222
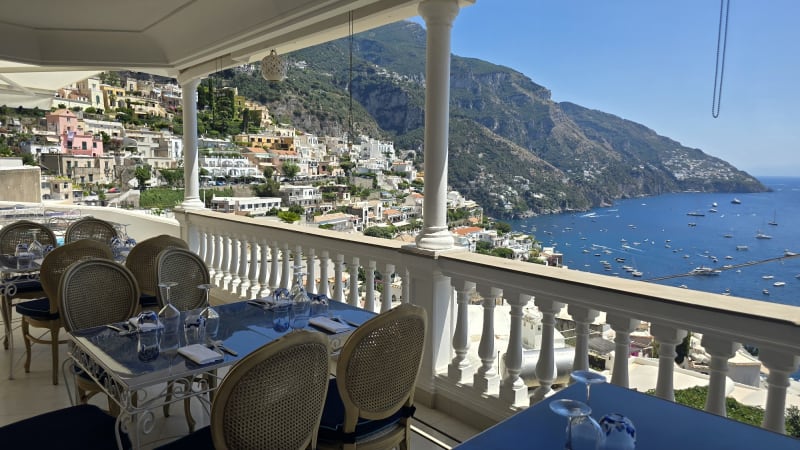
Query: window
x=83, y=145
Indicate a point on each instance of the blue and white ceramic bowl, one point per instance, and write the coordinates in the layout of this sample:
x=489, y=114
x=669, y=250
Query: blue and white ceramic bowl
x=620, y=432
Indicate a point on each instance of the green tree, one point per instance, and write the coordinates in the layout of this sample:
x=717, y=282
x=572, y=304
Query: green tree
x=272, y=188
x=288, y=216
x=142, y=174
x=502, y=252
x=268, y=172
x=290, y=170
x=380, y=232
x=173, y=177
x=502, y=228
x=483, y=247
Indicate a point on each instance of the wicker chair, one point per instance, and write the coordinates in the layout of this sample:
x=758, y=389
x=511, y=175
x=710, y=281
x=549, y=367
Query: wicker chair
x=43, y=312
x=95, y=292
x=272, y=399
x=20, y=232
x=90, y=228
x=371, y=400
x=141, y=262
x=188, y=270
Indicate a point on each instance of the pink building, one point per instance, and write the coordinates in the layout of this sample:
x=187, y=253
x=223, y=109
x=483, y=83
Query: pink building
x=72, y=138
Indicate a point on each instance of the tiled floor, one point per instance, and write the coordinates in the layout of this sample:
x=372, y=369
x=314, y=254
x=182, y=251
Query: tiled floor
x=33, y=393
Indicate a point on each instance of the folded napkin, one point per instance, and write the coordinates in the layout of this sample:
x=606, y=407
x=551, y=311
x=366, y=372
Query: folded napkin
x=329, y=325
x=200, y=354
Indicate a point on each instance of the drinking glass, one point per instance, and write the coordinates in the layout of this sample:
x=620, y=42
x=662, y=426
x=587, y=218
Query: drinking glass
x=280, y=316
x=301, y=302
x=23, y=256
x=583, y=432
x=588, y=378
x=194, y=327
x=209, y=313
x=319, y=305
x=170, y=318
x=35, y=248
x=148, y=344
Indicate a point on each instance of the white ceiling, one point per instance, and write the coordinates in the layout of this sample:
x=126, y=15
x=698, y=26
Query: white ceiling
x=185, y=39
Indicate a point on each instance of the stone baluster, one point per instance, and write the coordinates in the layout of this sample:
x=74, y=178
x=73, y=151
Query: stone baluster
x=369, y=294
x=512, y=388
x=668, y=338
x=324, y=261
x=781, y=365
x=486, y=380
x=460, y=370
x=353, y=297
x=226, y=262
x=219, y=252
x=407, y=287
x=244, y=281
x=297, y=265
x=311, y=271
x=210, y=253
x=721, y=350
x=202, y=250
x=623, y=327
x=386, y=302
x=583, y=318
x=286, y=272
x=263, y=269
x=255, y=287
x=338, y=271
x=275, y=259
x=546, y=365
x=236, y=245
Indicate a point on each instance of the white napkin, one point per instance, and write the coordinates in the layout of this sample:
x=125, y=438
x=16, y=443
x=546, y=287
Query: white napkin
x=329, y=324
x=200, y=354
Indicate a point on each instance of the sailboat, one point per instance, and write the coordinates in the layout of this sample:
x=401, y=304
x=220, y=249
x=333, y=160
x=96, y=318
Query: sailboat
x=760, y=235
x=773, y=222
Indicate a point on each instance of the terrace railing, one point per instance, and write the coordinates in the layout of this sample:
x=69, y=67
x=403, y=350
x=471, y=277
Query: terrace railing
x=250, y=257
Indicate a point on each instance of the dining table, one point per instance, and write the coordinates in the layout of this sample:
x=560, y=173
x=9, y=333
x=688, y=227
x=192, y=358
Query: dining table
x=659, y=424
x=108, y=354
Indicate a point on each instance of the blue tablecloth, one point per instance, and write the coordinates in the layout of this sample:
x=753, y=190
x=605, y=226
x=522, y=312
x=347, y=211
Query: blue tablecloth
x=659, y=425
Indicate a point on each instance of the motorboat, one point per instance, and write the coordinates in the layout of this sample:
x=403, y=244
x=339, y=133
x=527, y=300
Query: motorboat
x=779, y=283
x=741, y=248
x=767, y=277
x=695, y=214
x=760, y=235
x=736, y=201
x=702, y=270
x=765, y=292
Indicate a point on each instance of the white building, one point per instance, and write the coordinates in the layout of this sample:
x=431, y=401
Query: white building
x=250, y=206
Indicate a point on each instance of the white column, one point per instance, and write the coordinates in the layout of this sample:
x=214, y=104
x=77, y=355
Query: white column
x=191, y=170
x=486, y=379
x=236, y=245
x=623, y=327
x=438, y=16
x=219, y=252
x=668, y=337
x=407, y=287
x=386, y=300
x=324, y=261
x=263, y=269
x=311, y=271
x=721, y=350
x=583, y=318
x=780, y=366
x=244, y=282
x=546, y=365
x=369, y=292
x=253, y=274
x=460, y=370
x=273, y=267
x=353, y=298
x=226, y=261
x=286, y=273
x=209, y=256
x=338, y=286
x=512, y=389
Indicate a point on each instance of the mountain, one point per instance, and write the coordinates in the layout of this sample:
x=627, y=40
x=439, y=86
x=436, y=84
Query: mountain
x=512, y=148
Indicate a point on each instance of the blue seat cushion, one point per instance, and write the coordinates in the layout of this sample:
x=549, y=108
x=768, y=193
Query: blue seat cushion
x=199, y=440
x=26, y=286
x=75, y=428
x=148, y=301
x=37, y=309
x=332, y=424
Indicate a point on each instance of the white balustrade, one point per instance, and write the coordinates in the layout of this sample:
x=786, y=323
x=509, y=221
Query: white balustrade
x=236, y=245
x=721, y=350
x=386, y=300
x=583, y=318
x=486, y=379
x=311, y=270
x=622, y=326
x=263, y=270
x=352, y=269
x=669, y=338
x=324, y=261
x=460, y=370
x=252, y=272
x=369, y=293
x=512, y=389
x=546, y=365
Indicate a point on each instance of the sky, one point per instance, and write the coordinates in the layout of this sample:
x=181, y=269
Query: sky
x=654, y=63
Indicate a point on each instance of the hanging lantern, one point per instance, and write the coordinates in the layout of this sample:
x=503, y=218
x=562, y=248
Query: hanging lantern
x=273, y=68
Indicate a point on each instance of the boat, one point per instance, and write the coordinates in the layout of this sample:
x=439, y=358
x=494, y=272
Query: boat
x=692, y=224
x=773, y=222
x=702, y=270
x=636, y=273
x=761, y=235
x=695, y=214
x=779, y=283
x=741, y=248
x=619, y=260
x=727, y=235
x=736, y=201
x=767, y=277
x=712, y=210
x=714, y=205
x=765, y=292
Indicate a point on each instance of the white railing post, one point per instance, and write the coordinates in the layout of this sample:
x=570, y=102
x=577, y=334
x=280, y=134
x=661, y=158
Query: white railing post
x=263, y=269
x=311, y=270
x=210, y=252
x=668, y=337
x=583, y=318
x=244, y=281
x=226, y=262
x=721, y=350
x=255, y=287
x=275, y=261
x=236, y=245
x=486, y=380
x=407, y=287
x=460, y=370
x=352, y=269
x=780, y=366
x=324, y=261
x=202, y=251
x=512, y=389
x=369, y=291
x=386, y=300
x=219, y=252
x=286, y=273
x=546, y=365
x=623, y=327
x=338, y=271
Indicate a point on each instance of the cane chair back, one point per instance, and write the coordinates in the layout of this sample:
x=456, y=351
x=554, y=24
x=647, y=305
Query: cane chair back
x=142, y=260
x=21, y=232
x=91, y=228
x=375, y=377
x=188, y=270
x=273, y=398
x=95, y=292
x=57, y=262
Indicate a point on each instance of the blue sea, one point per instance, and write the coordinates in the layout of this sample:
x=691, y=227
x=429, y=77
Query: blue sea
x=657, y=237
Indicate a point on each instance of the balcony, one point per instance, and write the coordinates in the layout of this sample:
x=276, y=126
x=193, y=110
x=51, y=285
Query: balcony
x=249, y=257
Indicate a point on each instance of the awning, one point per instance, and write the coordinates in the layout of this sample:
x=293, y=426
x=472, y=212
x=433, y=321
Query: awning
x=32, y=86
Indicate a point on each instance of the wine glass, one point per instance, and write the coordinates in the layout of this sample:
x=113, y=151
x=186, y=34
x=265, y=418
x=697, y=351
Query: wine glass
x=583, y=432
x=35, y=248
x=301, y=302
x=170, y=317
x=588, y=378
x=209, y=313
